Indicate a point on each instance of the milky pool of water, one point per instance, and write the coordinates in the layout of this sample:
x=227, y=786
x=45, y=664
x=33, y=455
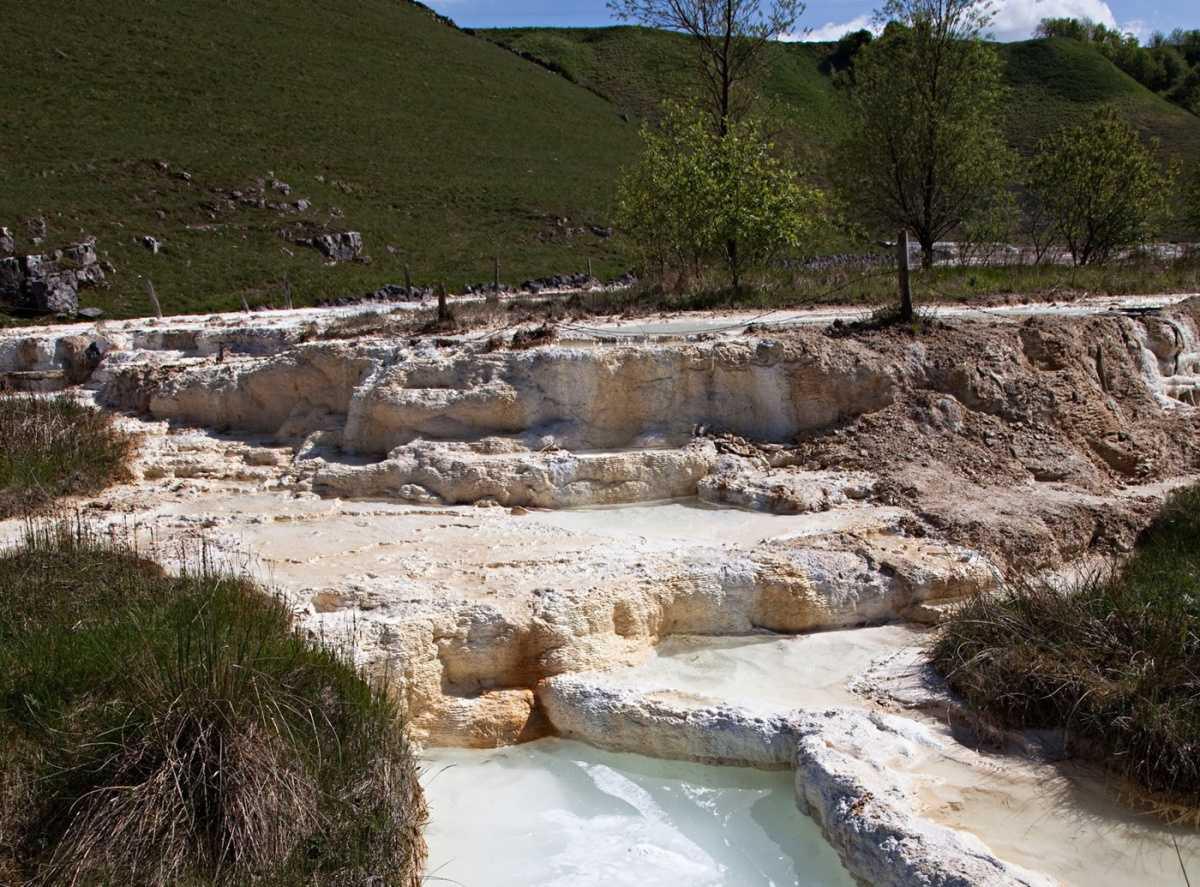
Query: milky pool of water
x=557, y=812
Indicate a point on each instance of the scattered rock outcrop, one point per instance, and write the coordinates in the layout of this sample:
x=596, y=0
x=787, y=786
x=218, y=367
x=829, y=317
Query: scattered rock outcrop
x=339, y=247
x=50, y=284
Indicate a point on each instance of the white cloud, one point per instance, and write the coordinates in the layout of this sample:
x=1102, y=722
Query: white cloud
x=1014, y=20
x=1137, y=28
x=1018, y=19
x=831, y=31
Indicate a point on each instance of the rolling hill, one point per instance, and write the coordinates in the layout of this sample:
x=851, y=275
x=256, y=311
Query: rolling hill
x=159, y=119
x=228, y=132
x=1053, y=82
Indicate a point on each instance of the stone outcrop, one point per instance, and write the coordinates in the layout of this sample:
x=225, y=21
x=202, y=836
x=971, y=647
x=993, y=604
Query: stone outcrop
x=462, y=661
x=337, y=247
x=564, y=397
x=455, y=474
x=870, y=813
x=50, y=284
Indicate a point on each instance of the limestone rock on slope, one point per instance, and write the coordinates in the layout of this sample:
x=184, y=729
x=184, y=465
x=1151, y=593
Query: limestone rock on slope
x=50, y=284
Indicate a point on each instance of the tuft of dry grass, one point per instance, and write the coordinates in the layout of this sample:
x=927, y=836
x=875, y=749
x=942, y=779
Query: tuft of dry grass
x=532, y=337
x=181, y=730
x=1114, y=661
x=52, y=447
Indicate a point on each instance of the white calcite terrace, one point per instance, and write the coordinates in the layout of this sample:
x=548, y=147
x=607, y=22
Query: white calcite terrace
x=600, y=572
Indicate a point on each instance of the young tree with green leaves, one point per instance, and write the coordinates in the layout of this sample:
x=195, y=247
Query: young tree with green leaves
x=694, y=191
x=730, y=37
x=1100, y=187
x=926, y=151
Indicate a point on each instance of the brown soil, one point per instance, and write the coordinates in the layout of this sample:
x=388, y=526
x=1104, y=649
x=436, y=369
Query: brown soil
x=1055, y=407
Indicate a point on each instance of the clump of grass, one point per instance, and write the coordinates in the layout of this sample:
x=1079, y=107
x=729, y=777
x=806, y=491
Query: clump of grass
x=885, y=317
x=532, y=337
x=1114, y=661
x=165, y=729
x=55, y=447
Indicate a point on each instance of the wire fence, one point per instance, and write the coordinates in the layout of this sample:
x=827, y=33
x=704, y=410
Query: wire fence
x=790, y=313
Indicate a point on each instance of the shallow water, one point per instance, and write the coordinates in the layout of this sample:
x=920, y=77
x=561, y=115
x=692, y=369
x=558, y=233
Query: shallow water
x=556, y=812
x=765, y=673
x=1064, y=820
x=696, y=522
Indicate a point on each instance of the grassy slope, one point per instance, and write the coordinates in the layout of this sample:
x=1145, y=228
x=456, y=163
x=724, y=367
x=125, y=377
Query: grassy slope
x=54, y=447
x=1053, y=81
x=1056, y=82
x=636, y=68
x=439, y=144
x=451, y=147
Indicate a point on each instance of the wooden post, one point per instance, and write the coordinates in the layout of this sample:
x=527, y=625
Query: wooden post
x=407, y=280
x=154, y=303
x=245, y=304
x=496, y=273
x=443, y=309
x=590, y=275
x=287, y=293
x=906, y=305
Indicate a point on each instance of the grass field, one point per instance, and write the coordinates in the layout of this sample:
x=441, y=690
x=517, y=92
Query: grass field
x=54, y=447
x=439, y=144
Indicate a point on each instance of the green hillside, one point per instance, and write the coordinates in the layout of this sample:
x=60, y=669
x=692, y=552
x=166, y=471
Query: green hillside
x=171, y=118
x=1056, y=82
x=1053, y=82
x=439, y=144
x=635, y=68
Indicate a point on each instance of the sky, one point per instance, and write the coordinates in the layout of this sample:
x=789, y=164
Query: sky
x=829, y=19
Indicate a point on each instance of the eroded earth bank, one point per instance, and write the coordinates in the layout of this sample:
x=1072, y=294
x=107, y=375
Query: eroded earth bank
x=636, y=543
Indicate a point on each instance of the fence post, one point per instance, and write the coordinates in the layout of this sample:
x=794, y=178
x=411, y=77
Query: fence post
x=153, y=298
x=906, y=305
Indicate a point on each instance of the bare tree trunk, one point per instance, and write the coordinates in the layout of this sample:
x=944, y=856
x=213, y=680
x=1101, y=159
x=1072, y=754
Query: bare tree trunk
x=926, y=250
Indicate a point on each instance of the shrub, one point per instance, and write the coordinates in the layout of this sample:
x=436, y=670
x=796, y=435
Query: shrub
x=181, y=730
x=54, y=447
x=1098, y=188
x=1111, y=660
x=697, y=195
